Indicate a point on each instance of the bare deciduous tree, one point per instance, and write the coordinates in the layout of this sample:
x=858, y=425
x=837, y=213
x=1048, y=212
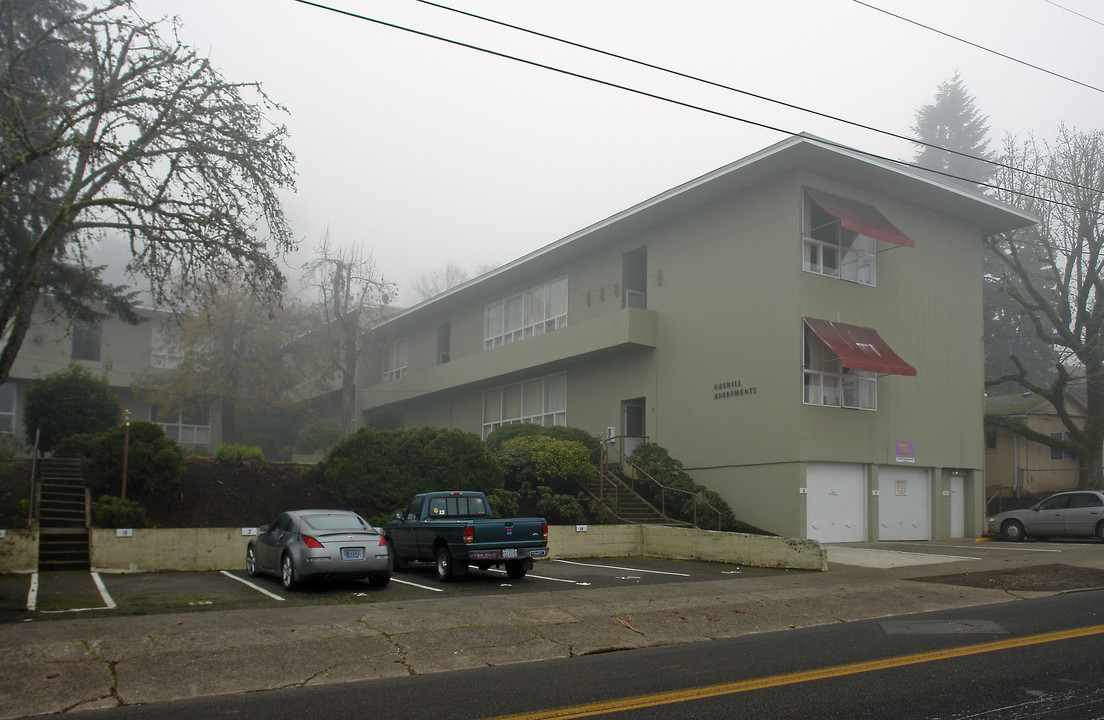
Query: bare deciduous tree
x=1054, y=274
x=132, y=133
x=352, y=293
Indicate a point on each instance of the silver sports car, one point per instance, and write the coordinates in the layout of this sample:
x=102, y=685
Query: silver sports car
x=304, y=544
x=1067, y=514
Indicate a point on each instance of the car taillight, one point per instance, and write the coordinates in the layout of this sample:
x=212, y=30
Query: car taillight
x=544, y=530
x=469, y=534
x=310, y=542
x=383, y=541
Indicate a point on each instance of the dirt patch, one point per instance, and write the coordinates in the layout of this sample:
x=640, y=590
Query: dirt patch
x=1045, y=578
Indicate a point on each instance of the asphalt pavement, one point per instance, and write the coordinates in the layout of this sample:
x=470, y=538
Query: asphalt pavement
x=93, y=661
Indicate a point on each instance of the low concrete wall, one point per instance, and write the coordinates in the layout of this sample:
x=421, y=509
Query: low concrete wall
x=168, y=549
x=190, y=549
x=19, y=551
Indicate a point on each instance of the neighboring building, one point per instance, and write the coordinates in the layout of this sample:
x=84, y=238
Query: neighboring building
x=1017, y=466
x=801, y=328
x=113, y=349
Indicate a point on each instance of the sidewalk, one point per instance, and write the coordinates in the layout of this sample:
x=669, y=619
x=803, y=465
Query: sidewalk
x=86, y=663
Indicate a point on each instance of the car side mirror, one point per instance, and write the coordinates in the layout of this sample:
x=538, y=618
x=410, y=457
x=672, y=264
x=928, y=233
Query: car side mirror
x=263, y=529
x=398, y=516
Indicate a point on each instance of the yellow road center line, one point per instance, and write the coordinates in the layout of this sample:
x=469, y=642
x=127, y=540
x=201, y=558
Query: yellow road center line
x=709, y=691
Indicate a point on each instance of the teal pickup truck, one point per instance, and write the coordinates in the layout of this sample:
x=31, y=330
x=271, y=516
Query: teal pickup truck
x=456, y=530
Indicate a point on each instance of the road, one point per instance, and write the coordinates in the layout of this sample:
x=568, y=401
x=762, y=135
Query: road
x=1027, y=659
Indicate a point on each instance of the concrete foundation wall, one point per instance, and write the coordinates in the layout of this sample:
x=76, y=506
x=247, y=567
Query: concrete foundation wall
x=196, y=549
x=19, y=551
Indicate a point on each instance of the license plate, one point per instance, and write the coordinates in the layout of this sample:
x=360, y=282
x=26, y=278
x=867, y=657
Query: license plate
x=511, y=553
x=352, y=553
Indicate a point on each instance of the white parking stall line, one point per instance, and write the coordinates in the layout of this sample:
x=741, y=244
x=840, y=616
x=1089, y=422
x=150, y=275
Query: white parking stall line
x=103, y=591
x=423, y=587
x=32, y=593
x=539, y=577
x=615, y=567
x=258, y=588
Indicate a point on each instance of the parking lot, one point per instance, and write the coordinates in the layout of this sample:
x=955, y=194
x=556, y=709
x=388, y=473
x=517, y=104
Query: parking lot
x=43, y=596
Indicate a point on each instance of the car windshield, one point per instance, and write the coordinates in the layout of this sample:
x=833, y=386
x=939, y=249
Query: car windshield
x=344, y=521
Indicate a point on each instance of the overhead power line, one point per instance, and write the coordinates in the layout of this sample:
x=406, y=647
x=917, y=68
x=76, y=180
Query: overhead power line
x=673, y=101
x=979, y=47
x=1070, y=10
x=757, y=96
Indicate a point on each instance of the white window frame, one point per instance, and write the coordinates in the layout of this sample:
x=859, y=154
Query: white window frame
x=394, y=361
x=183, y=429
x=1063, y=453
x=7, y=414
x=162, y=353
x=541, y=401
x=534, y=312
x=827, y=383
x=833, y=251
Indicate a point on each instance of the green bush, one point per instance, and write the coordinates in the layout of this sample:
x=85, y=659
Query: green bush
x=559, y=508
x=78, y=446
x=114, y=512
x=535, y=460
x=154, y=462
x=497, y=439
x=376, y=471
x=233, y=452
x=69, y=402
x=658, y=463
x=318, y=436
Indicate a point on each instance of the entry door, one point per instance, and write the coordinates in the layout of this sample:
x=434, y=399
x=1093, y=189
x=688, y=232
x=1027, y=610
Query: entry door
x=632, y=412
x=904, y=503
x=958, y=506
x=835, y=502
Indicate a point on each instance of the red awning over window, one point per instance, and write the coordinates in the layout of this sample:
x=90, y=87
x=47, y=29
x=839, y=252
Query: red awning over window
x=859, y=348
x=859, y=217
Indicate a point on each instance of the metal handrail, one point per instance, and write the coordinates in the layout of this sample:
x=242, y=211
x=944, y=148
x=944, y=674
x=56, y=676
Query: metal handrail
x=663, y=488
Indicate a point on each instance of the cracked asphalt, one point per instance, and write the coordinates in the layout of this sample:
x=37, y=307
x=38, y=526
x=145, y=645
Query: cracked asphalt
x=89, y=661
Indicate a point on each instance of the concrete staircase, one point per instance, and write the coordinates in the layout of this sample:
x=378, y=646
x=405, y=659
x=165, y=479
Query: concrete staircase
x=62, y=516
x=630, y=507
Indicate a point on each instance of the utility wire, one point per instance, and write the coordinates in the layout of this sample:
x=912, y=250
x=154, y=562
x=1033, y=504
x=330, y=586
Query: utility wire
x=680, y=103
x=695, y=78
x=979, y=47
x=1069, y=10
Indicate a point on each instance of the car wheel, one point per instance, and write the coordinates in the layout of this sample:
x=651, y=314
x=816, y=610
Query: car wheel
x=251, y=562
x=444, y=564
x=379, y=579
x=1012, y=531
x=287, y=573
x=515, y=569
x=397, y=563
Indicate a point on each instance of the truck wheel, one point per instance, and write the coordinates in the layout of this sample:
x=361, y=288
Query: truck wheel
x=515, y=568
x=397, y=563
x=444, y=564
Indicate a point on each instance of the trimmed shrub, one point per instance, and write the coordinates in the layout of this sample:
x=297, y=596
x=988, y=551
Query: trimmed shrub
x=658, y=463
x=531, y=461
x=154, y=462
x=318, y=436
x=78, y=446
x=497, y=439
x=69, y=402
x=234, y=452
x=376, y=472
x=114, y=512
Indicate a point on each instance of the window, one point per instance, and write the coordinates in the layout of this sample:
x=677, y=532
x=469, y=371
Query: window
x=457, y=507
x=1084, y=500
x=534, y=312
x=87, y=337
x=190, y=426
x=162, y=352
x=542, y=401
x=7, y=408
x=828, y=382
x=833, y=250
x=1057, y=453
x=990, y=439
x=394, y=361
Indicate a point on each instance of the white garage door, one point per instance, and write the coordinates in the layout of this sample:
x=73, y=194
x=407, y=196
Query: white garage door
x=835, y=506
x=904, y=503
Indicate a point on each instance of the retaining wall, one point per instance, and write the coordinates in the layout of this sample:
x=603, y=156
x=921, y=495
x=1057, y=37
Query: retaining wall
x=191, y=549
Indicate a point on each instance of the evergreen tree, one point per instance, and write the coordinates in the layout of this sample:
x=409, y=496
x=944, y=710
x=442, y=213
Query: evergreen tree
x=954, y=133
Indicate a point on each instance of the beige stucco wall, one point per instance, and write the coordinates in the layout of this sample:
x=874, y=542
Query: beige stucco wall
x=199, y=549
x=19, y=551
x=185, y=549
